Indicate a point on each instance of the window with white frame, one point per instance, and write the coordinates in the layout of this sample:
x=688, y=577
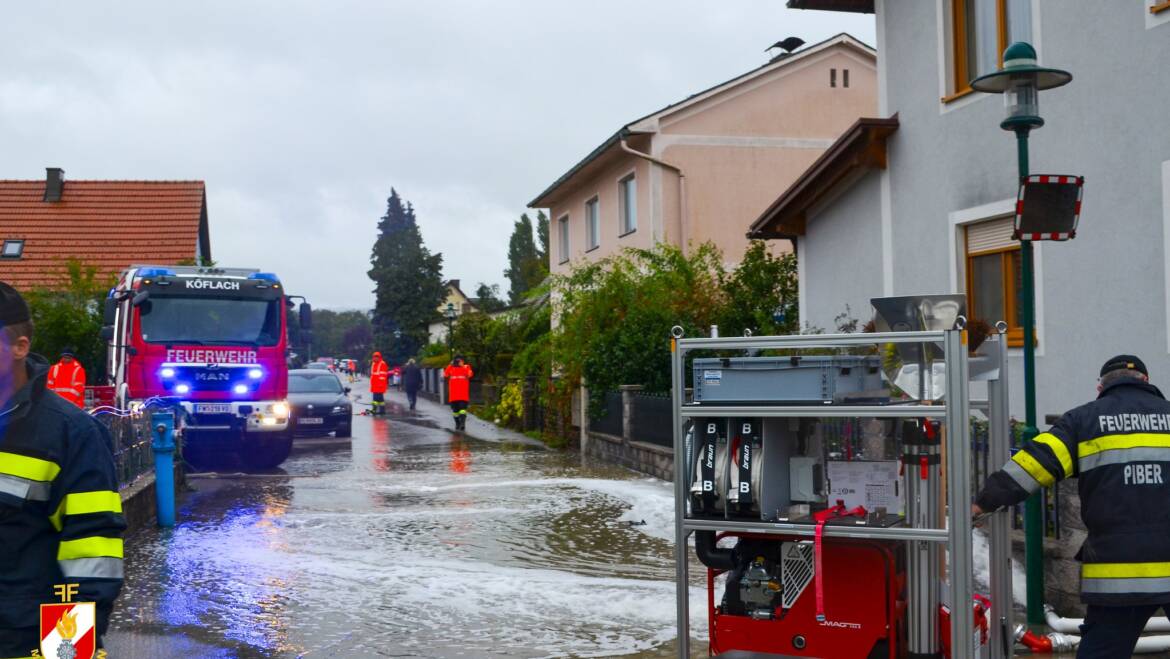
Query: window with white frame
x=563, y=237
x=980, y=31
x=628, y=204
x=993, y=276
x=592, y=225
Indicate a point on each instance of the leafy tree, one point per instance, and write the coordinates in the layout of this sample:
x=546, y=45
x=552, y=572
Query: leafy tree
x=615, y=315
x=408, y=282
x=526, y=267
x=69, y=314
x=487, y=298
x=761, y=294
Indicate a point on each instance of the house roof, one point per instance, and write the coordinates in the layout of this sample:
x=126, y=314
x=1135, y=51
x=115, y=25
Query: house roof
x=107, y=224
x=857, y=6
x=861, y=147
x=647, y=124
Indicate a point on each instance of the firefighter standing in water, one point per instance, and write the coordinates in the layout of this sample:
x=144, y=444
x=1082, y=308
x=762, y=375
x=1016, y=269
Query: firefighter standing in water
x=458, y=375
x=379, y=378
x=67, y=378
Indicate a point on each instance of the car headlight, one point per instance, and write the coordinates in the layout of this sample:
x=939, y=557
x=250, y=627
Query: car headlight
x=280, y=409
x=338, y=409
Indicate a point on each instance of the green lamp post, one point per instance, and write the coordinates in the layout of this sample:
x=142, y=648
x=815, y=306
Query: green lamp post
x=1020, y=81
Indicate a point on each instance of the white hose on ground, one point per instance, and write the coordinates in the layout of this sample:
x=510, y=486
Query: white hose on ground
x=1073, y=625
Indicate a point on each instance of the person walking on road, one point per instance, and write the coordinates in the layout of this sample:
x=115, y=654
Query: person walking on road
x=379, y=379
x=411, y=382
x=67, y=378
x=458, y=375
x=1118, y=448
x=60, y=512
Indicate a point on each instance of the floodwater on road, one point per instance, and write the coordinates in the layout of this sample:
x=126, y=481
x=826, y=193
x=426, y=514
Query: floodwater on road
x=410, y=542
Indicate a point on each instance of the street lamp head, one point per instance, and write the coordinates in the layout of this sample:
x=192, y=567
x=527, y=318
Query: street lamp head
x=450, y=313
x=1020, y=81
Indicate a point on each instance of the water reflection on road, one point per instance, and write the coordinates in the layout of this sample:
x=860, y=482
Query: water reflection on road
x=411, y=542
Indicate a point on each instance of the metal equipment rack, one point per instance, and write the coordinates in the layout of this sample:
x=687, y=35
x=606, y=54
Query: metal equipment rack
x=923, y=497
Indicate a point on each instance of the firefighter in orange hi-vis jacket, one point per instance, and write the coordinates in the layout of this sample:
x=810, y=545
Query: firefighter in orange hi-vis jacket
x=67, y=378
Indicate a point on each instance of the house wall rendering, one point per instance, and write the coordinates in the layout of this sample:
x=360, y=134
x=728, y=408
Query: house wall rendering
x=952, y=168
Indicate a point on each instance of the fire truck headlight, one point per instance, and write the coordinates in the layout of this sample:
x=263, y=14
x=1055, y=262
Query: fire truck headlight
x=255, y=373
x=240, y=388
x=167, y=372
x=268, y=421
x=280, y=409
x=182, y=388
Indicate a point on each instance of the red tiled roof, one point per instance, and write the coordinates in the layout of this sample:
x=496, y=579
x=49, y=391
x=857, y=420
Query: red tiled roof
x=108, y=224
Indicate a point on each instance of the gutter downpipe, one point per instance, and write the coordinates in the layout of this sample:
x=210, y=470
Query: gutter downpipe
x=684, y=220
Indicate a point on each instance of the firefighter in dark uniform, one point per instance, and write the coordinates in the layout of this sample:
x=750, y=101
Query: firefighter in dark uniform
x=60, y=512
x=1118, y=447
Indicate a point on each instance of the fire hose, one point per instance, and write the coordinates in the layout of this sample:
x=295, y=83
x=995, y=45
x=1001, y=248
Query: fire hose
x=1058, y=642
x=1073, y=625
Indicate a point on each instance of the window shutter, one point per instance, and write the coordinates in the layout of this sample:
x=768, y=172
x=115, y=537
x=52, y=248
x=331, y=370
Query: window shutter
x=991, y=235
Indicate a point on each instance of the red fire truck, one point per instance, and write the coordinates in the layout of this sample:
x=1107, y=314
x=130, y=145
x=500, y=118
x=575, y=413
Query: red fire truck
x=213, y=339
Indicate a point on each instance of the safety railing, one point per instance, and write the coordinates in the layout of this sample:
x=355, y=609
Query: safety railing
x=131, y=446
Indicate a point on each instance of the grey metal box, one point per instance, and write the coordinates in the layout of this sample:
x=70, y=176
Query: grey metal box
x=812, y=379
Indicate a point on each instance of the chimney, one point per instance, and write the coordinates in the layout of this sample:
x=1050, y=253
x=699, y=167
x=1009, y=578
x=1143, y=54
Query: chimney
x=454, y=283
x=54, y=183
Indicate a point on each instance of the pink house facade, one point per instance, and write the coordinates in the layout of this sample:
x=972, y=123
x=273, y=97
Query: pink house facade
x=703, y=169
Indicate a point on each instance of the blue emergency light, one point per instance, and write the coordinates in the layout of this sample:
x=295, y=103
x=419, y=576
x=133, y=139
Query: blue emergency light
x=156, y=272
x=265, y=276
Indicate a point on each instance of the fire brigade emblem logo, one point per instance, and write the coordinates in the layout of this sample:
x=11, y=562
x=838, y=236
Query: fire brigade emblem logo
x=67, y=629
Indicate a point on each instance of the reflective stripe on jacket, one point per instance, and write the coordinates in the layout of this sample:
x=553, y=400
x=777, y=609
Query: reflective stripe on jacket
x=60, y=511
x=1118, y=447
x=68, y=381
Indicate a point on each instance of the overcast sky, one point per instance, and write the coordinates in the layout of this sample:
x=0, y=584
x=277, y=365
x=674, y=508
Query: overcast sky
x=300, y=116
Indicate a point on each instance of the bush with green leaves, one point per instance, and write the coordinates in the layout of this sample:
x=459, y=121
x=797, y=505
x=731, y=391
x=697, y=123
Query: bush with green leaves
x=615, y=315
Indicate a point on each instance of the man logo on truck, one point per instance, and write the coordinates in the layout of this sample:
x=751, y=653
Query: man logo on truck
x=212, y=285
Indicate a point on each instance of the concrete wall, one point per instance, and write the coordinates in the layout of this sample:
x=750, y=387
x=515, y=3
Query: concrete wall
x=627, y=451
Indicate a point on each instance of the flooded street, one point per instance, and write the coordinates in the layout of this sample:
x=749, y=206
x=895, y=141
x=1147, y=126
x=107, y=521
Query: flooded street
x=411, y=542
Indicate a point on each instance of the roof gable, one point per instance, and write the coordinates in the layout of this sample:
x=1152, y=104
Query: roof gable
x=106, y=224
x=650, y=123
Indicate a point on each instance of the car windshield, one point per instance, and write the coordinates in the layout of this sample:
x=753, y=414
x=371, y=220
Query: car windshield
x=326, y=383
x=210, y=321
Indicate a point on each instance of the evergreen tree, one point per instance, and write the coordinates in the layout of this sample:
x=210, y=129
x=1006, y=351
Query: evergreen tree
x=542, y=238
x=525, y=266
x=408, y=283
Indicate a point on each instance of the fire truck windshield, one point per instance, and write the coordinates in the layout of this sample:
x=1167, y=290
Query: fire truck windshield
x=210, y=321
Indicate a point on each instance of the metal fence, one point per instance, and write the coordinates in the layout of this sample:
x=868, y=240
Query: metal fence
x=651, y=418
x=610, y=422
x=131, y=446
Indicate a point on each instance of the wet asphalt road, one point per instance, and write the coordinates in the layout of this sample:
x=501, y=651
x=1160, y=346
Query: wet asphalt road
x=411, y=541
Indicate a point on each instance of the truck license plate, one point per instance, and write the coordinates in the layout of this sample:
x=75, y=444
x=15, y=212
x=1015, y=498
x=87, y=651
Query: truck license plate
x=311, y=420
x=213, y=408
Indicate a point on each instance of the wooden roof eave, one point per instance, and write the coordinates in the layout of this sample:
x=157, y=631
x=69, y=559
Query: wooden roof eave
x=862, y=146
